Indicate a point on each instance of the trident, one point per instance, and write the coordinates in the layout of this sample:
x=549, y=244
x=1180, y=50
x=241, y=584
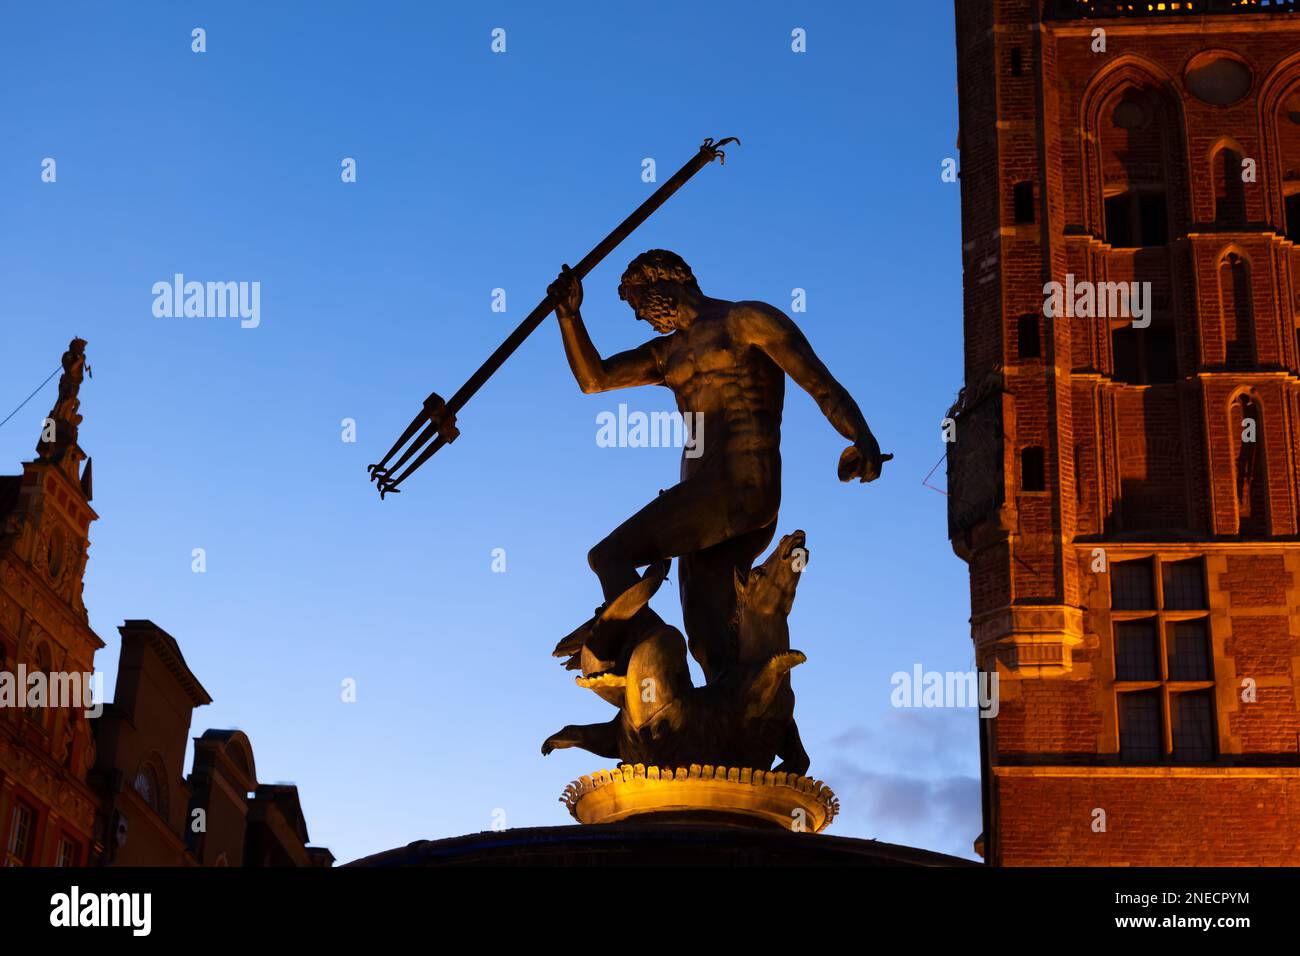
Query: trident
x=438, y=418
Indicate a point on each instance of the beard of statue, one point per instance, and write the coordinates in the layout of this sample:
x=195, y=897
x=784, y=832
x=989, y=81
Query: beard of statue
x=659, y=309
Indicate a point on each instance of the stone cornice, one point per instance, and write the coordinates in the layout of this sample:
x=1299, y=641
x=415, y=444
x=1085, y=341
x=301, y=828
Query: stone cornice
x=1158, y=772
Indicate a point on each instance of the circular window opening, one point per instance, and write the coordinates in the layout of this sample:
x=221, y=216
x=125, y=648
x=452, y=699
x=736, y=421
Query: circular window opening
x=1219, y=79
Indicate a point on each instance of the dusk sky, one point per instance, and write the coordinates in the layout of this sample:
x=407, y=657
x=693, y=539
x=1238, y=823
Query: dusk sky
x=476, y=171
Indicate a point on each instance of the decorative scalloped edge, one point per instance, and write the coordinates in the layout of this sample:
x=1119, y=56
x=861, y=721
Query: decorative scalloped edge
x=626, y=773
x=602, y=680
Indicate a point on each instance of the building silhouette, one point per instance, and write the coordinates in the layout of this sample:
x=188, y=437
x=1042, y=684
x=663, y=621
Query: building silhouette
x=110, y=790
x=1123, y=483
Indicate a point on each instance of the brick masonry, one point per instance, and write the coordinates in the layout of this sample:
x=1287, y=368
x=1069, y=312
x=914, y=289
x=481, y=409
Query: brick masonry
x=1141, y=428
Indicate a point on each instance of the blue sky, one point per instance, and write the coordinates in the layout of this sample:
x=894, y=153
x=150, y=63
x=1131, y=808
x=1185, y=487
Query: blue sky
x=476, y=171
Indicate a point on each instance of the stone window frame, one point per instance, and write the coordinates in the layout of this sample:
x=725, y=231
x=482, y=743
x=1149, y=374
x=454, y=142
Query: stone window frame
x=67, y=851
x=1124, y=73
x=1234, y=186
x=151, y=768
x=1164, y=619
x=20, y=855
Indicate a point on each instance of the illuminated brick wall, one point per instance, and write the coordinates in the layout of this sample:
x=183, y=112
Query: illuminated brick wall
x=1139, y=590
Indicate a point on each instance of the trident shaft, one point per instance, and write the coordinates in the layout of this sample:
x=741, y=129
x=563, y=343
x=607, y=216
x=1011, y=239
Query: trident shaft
x=435, y=425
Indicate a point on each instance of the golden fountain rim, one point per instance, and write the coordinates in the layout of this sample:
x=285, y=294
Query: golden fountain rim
x=790, y=800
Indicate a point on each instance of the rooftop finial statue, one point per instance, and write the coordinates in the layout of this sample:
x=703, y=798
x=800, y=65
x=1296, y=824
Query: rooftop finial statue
x=60, y=431
x=725, y=363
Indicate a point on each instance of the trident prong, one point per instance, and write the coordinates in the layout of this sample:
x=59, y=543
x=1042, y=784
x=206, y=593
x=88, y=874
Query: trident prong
x=716, y=148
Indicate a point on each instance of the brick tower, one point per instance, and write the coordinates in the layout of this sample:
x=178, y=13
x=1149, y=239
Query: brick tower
x=47, y=745
x=1123, y=479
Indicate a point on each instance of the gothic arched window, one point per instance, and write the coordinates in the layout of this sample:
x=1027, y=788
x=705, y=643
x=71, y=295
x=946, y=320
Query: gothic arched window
x=1238, y=311
x=1287, y=125
x=1246, y=426
x=149, y=786
x=1229, y=188
x=1135, y=191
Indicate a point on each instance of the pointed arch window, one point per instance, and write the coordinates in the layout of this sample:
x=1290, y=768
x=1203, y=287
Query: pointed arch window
x=1133, y=149
x=1293, y=214
x=150, y=785
x=1229, y=189
x=1238, y=311
x=1287, y=127
x=1246, y=424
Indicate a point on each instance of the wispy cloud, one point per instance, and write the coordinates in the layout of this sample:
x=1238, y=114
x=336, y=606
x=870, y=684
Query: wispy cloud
x=911, y=777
